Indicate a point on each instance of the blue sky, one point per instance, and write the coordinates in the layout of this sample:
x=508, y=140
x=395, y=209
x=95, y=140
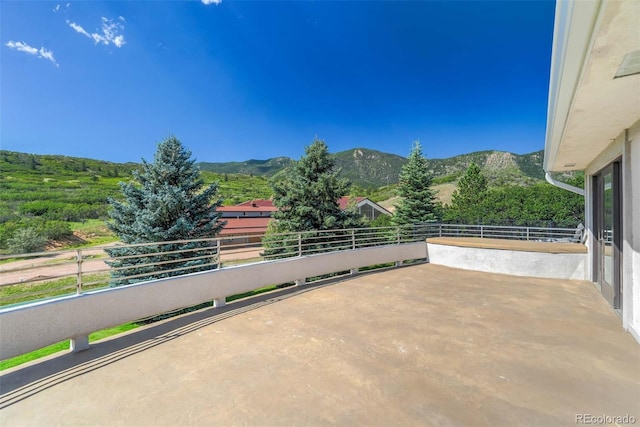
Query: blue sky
x=258, y=79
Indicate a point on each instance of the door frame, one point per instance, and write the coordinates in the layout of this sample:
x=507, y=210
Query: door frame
x=612, y=292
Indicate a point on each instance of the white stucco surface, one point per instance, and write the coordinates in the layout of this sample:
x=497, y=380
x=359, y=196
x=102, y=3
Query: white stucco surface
x=517, y=263
x=631, y=241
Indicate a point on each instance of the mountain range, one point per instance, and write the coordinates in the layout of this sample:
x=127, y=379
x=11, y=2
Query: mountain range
x=370, y=168
x=364, y=167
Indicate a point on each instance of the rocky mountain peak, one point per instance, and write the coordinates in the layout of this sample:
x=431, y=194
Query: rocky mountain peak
x=500, y=160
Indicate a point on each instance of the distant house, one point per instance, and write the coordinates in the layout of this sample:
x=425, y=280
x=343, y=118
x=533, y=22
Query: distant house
x=593, y=125
x=249, y=220
x=365, y=207
x=252, y=209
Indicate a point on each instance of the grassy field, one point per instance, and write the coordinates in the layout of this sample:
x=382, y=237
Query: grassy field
x=63, y=345
x=15, y=294
x=92, y=232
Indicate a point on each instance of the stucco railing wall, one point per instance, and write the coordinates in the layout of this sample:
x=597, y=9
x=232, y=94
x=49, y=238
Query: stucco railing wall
x=570, y=266
x=31, y=326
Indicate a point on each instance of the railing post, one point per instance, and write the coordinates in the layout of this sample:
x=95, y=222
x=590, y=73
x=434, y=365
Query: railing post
x=218, y=254
x=79, y=343
x=299, y=244
x=527, y=233
x=353, y=238
x=440, y=230
x=79, y=274
x=481, y=231
x=398, y=234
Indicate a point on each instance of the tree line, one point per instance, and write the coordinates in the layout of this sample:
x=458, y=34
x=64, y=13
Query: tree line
x=542, y=205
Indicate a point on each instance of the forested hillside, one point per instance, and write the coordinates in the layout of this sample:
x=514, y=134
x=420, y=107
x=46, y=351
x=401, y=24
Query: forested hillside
x=369, y=168
x=267, y=167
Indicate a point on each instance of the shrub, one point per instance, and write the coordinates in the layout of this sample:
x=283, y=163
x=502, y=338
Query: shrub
x=26, y=240
x=55, y=229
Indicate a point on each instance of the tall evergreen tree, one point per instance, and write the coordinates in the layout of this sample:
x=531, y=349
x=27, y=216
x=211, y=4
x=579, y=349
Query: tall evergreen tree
x=307, y=197
x=467, y=199
x=417, y=202
x=165, y=203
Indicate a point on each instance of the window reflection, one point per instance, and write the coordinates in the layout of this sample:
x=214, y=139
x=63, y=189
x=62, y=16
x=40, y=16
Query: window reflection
x=607, y=230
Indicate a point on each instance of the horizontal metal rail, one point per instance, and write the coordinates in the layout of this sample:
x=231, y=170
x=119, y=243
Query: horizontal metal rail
x=508, y=232
x=27, y=277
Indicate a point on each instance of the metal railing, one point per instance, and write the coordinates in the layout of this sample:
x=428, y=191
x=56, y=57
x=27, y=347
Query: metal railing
x=509, y=232
x=284, y=245
x=29, y=277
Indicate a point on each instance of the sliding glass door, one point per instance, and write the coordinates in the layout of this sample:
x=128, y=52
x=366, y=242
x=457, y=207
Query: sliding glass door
x=607, y=211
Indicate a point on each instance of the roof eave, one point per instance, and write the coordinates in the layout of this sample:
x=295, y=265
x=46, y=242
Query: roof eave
x=574, y=27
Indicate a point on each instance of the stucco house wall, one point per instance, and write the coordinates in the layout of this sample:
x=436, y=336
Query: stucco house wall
x=594, y=120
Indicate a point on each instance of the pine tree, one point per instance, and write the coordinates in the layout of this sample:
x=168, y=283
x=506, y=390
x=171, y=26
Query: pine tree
x=468, y=198
x=165, y=203
x=417, y=202
x=307, y=197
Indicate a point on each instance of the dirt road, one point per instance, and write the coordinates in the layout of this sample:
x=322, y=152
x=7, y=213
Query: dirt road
x=64, y=264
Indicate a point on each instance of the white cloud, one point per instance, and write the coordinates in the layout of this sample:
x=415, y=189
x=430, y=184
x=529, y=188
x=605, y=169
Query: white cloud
x=119, y=41
x=47, y=54
x=22, y=47
x=78, y=28
x=41, y=53
x=211, y=1
x=57, y=8
x=110, y=32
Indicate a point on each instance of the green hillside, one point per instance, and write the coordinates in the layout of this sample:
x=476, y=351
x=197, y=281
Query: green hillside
x=54, y=194
x=500, y=167
x=250, y=167
x=369, y=168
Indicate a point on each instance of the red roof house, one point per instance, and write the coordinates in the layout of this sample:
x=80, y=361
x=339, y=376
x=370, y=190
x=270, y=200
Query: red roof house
x=251, y=218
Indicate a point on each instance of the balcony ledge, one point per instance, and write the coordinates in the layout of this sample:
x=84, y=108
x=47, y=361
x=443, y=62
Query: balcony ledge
x=511, y=245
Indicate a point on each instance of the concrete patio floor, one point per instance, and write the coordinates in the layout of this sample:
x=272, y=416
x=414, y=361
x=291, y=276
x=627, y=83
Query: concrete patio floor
x=423, y=345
